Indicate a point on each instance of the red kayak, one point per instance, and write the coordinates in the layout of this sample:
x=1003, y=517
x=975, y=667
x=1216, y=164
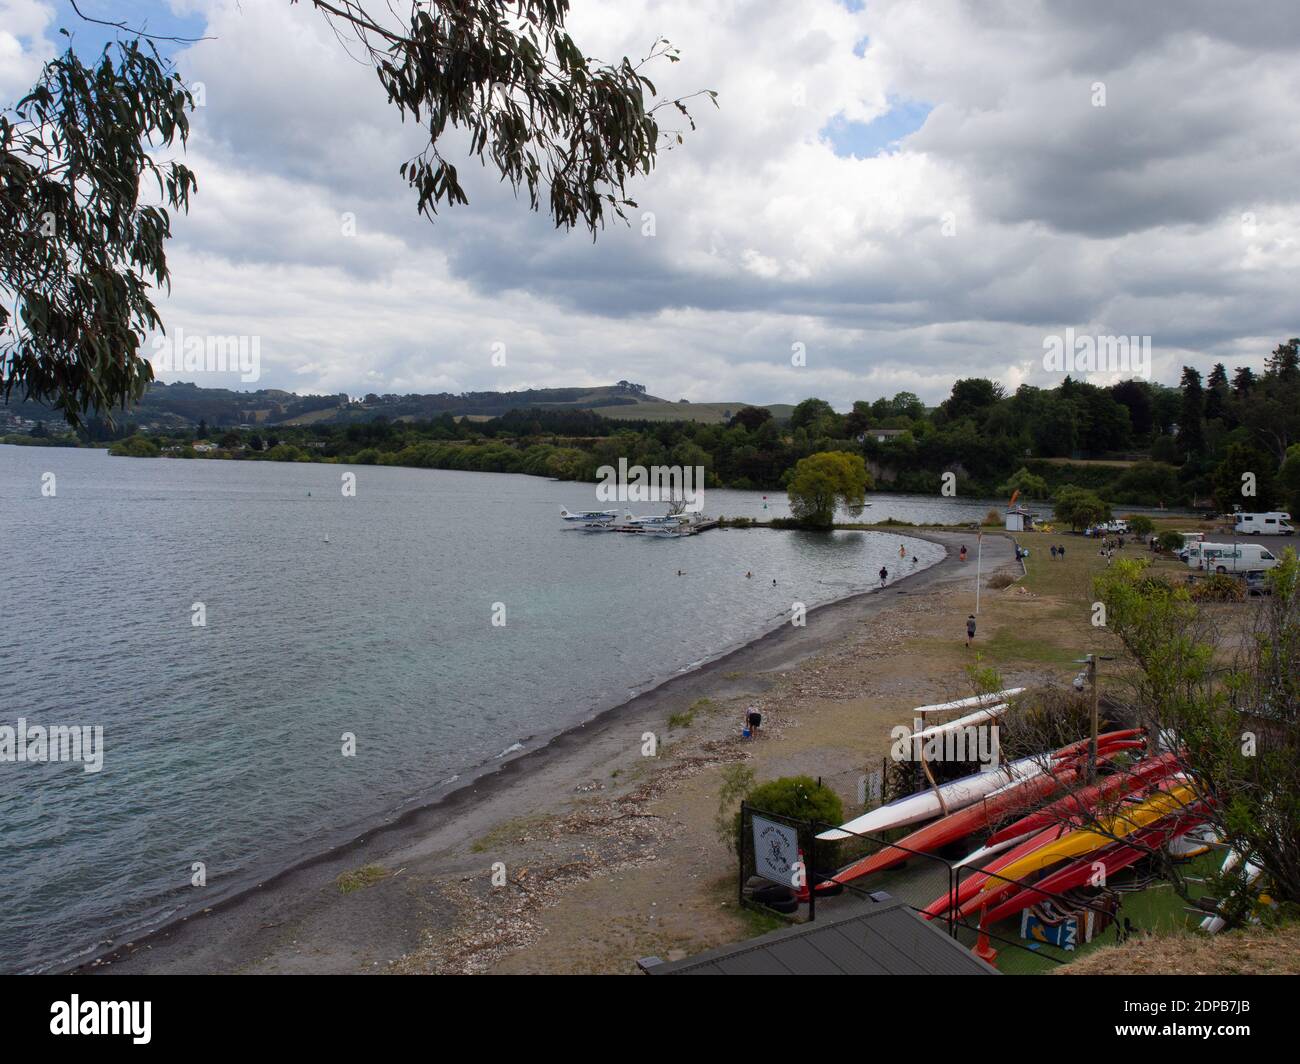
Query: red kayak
x=1088, y=798
x=1112, y=859
x=958, y=825
x=970, y=886
x=1043, y=828
x=1105, y=738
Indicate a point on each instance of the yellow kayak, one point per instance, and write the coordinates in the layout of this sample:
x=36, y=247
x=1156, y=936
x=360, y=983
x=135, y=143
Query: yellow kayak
x=1080, y=842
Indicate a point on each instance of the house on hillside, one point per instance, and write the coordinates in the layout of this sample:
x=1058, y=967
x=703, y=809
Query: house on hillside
x=881, y=435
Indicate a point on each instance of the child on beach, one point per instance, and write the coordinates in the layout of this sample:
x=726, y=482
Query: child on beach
x=970, y=629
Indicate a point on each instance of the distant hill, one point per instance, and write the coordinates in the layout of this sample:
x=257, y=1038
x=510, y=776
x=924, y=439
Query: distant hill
x=184, y=405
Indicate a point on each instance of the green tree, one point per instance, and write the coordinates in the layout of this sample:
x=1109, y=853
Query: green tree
x=1140, y=525
x=1079, y=508
x=80, y=252
x=1030, y=485
x=551, y=121
x=808, y=412
x=824, y=481
x=1238, y=728
x=1288, y=479
x=1243, y=466
x=1191, y=417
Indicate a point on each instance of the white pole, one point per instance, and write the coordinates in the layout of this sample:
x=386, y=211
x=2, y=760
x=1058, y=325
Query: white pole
x=979, y=554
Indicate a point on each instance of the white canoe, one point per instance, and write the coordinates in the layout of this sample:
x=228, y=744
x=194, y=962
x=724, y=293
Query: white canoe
x=980, y=716
x=925, y=804
x=974, y=700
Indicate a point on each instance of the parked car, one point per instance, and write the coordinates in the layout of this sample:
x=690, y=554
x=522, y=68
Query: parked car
x=1257, y=582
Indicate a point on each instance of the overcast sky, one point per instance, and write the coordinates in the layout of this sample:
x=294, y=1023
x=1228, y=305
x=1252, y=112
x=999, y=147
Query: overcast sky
x=913, y=191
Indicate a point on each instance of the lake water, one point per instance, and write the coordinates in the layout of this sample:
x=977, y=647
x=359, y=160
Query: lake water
x=325, y=614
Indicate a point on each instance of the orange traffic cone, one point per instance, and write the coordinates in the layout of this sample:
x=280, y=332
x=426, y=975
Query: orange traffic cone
x=983, y=948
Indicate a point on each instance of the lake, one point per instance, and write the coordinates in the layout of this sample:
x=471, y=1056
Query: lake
x=328, y=615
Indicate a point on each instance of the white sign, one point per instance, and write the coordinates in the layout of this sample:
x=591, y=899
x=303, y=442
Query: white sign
x=776, y=851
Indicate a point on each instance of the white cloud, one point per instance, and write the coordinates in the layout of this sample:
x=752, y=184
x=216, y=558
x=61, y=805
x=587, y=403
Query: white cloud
x=1127, y=219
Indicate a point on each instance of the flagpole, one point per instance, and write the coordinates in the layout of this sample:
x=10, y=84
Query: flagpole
x=979, y=554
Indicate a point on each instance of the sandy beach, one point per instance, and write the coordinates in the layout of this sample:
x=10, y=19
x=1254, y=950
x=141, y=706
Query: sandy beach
x=589, y=823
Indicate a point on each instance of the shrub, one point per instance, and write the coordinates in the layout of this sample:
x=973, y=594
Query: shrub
x=802, y=798
x=1218, y=587
x=1140, y=525
x=134, y=447
x=1171, y=541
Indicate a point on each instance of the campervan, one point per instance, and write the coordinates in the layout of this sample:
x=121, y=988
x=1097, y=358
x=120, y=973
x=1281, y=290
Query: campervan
x=1230, y=557
x=1274, y=523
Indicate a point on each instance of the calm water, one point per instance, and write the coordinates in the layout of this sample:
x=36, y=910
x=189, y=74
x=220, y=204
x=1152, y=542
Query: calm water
x=325, y=615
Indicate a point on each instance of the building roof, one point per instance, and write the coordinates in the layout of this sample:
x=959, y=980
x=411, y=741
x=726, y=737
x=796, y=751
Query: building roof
x=873, y=939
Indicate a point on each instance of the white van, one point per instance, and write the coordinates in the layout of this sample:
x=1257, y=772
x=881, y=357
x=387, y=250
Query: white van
x=1275, y=523
x=1230, y=557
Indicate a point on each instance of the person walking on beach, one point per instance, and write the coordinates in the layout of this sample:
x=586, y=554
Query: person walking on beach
x=1053, y=552
x=962, y=553
x=970, y=629
x=884, y=575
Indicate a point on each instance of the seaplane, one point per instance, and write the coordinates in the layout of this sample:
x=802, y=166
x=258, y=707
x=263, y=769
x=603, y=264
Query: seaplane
x=591, y=518
x=675, y=522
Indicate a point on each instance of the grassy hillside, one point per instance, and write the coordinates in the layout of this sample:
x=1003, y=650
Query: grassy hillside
x=704, y=413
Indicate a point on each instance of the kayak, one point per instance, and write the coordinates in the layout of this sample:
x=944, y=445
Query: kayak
x=969, y=887
x=1019, y=794
x=926, y=804
x=1105, y=738
x=974, y=700
x=957, y=794
x=1112, y=859
x=1081, y=841
x=1193, y=843
x=1088, y=798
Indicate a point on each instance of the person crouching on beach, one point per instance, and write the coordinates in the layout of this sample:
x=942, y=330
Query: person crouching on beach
x=970, y=629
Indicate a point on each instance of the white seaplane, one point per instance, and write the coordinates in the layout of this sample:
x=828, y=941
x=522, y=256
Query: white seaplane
x=677, y=521
x=591, y=518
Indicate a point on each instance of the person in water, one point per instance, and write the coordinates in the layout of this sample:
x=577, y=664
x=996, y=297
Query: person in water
x=749, y=576
x=884, y=575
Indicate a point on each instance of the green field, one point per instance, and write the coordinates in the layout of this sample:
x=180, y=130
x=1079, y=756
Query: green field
x=706, y=413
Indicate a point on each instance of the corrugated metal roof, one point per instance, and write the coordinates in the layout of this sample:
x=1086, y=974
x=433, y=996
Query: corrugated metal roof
x=877, y=939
